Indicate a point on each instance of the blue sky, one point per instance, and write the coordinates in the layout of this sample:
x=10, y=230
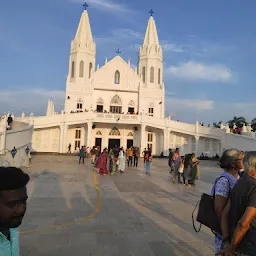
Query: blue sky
x=209, y=51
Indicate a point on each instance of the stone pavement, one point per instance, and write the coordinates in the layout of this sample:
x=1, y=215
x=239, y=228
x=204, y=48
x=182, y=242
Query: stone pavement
x=133, y=214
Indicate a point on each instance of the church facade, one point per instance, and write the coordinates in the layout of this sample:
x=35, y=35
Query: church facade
x=118, y=105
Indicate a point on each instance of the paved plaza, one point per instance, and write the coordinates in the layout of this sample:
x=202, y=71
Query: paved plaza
x=74, y=211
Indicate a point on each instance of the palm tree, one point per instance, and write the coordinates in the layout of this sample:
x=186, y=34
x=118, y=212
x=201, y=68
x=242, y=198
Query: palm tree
x=217, y=125
x=238, y=121
x=253, y=124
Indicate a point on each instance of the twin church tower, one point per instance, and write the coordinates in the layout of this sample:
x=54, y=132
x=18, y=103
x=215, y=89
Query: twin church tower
x=88, y=85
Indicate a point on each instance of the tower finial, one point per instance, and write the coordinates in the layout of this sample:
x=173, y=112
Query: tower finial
x=151, y=12
x=118, y=51
x=85, y=5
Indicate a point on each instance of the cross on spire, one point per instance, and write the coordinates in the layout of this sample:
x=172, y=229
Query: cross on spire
x=118, y=51
x=151, y=12
x=85, y=5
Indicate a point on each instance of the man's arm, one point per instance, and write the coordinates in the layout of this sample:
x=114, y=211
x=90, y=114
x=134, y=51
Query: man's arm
x=224, y=222
x=243, y=226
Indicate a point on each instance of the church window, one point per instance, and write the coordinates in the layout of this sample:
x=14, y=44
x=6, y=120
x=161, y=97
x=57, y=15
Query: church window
x=114, y=132
x=131, y=108
x=100, y=105
x=90, y=70
x=131, y=103
x=152, y=75
x=73, y=69
x=144, y=74
x=130, y=134
x=116, y=100
x=159, y=76
x=150, y=137
x=81, y=69
x=117, y=77
x=151, y=111
x=79, y=105
x=116, y=105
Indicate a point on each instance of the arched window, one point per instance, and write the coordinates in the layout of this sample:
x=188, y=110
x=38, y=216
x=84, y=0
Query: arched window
x=73, y=69
x=130, y=134
x=144, y=74
x=151, y=109
x=116, y=105
x=114, y=132
x=100, y=101
x=152, y=75
x=99, y=133
x=117, y=77
x=90, y=70
x=159, y=76
x=116, y=101
x=100, y=105
x=131, y=108
x=81, y=69
x=79, y=105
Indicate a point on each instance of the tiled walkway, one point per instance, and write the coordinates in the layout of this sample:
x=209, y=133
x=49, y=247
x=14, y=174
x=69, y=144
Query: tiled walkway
x=130, y=214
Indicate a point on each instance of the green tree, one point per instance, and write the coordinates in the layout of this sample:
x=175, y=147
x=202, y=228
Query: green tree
x=253, y=124
x=217, y=125
x=238, y=121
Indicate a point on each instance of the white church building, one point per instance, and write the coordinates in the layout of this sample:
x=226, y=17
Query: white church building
x=117, y=105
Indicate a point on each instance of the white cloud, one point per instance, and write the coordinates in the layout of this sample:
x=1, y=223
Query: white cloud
x=194, y=105
x=106, y=5
x=30, y=100
x=172, y=48
x=198, y=71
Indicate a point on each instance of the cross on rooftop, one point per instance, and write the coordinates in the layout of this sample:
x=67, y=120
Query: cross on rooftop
x=118, y=51
x=151, y=12
x=85, y=5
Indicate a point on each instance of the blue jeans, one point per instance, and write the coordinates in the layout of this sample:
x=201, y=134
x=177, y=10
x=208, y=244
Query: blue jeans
x=148, y=167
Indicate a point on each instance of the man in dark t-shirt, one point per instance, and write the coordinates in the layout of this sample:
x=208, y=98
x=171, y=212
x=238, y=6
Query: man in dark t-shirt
x=239, y=216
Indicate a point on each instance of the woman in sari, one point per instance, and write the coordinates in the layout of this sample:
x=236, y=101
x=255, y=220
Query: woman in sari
x=187, y=172
x=195, y=169
x=102, y=163
x=121, y=161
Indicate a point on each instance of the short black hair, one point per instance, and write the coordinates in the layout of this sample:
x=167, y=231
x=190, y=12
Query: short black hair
x=12, y=178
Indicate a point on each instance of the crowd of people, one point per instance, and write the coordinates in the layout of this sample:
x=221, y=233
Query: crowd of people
x=185, y=167
x=233, y=192
x=113, y=160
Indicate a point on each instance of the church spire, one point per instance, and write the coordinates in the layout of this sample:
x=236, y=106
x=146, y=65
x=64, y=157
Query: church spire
x=151, y=36
x=84, y=32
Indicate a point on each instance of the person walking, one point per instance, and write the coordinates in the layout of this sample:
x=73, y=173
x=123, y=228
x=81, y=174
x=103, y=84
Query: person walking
x=135, y=157
x=121, y=161
x=69, y=148
x=148, y=159
x=130, y=155
x=144, y=154
x=81, y=155
x=238, y=221
x=93, y=154
x=231, y=163
x=176, y=165
x=170, y=162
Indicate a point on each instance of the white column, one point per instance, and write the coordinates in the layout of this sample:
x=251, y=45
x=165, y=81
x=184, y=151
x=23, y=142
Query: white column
x=89, y=134
x=61, y=138
x=3, y=127
x=142, y=137
x=63, y=147
x=65, y=137
x=166, y=142
x=197, y=145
